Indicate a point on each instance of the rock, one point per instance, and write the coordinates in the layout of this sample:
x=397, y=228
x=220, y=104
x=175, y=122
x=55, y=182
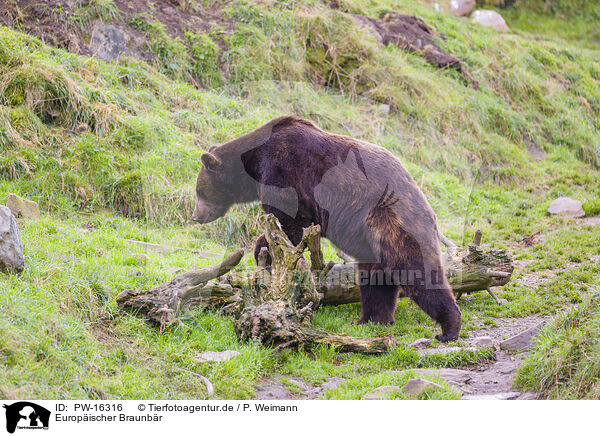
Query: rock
x=488, y=18
x=384, y=109
x=421, y=343
x=107, y=42
x=452, y=376
x=317, y=391
x=460, y=8
x=522, y=341
x=416, y=386
x=22, y=208
x=527, y=396
x=446, y=350
x=215, y=356
x=498, y=396
x=565, y=206
x=483, y=341
x=11, y=248
x=381, y=393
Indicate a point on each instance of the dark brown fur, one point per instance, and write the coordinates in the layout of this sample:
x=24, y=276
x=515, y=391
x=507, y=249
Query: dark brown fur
x=362, y=197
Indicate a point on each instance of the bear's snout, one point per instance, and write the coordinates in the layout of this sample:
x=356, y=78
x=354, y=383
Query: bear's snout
x=205, y=212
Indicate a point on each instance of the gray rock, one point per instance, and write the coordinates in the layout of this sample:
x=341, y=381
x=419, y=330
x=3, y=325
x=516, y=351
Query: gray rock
x=522, y=341
x=22, y=208
x=107, y=42
x=446, y=350
x=488, y=18
x=416, y=386
x=459, y=8
x=384, y=109
x=498, y=396
x=421, y=343
x=11, y=248
x=381, y=393
x=462, y=8
x=452, y=376
x=317, y=391
x=483, y=341
x=565, y=206
x=216, y=356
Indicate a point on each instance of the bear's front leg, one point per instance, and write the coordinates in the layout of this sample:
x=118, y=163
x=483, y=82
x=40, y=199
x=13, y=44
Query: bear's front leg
x=378, y=302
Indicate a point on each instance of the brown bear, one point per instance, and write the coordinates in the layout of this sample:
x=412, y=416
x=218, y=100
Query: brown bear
x=365, y=201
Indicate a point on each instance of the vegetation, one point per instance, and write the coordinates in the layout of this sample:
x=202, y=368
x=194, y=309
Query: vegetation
x=111, y=151
x=564, y=363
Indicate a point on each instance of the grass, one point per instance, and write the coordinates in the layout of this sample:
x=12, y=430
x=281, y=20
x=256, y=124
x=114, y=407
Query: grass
x=564, y=362
x=570, y=20
x=111, y=152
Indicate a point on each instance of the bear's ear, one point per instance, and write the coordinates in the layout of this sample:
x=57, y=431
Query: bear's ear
x=210, y=161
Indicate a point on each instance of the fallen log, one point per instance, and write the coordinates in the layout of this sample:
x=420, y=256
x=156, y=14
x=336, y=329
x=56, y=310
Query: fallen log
x=276, y=305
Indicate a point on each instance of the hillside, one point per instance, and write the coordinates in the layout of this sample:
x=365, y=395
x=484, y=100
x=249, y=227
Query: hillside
x=111, y=150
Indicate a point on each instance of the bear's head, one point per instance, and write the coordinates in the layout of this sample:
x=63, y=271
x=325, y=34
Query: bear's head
x=213, y=193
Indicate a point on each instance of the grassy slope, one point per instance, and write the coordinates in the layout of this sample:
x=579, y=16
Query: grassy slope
x=84, y=138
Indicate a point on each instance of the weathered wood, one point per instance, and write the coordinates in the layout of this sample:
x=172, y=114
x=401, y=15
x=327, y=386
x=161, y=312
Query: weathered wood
x=275, y=305
x=279, y=313
x=162, y=304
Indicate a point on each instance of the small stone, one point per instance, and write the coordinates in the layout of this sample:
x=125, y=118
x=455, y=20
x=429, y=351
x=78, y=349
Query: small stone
x=483, y=341
x=565, y=206
x=11, y=247
x=488, y=18
x=460, y=8
x=421, y=343
x=22, y=208
x=384, y=109
x=498, y=396
x=416, y=386
x=451, y=375
x=522, y=341
x=446, y=350
x=215, y=356
x=381, y=393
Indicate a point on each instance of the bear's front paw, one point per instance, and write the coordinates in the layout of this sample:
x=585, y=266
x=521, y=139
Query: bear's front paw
x=446, y=338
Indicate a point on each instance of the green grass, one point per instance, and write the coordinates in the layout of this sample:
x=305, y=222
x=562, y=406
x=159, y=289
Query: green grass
x=565, y=362
x=571, y=20
x=117, y=146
